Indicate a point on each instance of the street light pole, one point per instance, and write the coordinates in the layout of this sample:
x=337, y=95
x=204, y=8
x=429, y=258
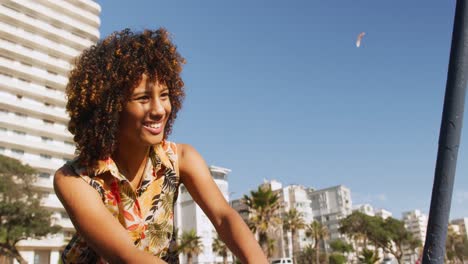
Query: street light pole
x=449, y=139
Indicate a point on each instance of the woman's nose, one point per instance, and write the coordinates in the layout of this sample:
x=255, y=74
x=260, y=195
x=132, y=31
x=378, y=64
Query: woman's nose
x=157, y=107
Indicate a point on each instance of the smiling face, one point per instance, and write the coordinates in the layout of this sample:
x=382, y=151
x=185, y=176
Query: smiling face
x=144, y=117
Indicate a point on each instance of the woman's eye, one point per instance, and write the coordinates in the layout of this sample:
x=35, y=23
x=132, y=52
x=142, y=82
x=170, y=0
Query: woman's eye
x=142, y=98
x=165, y=94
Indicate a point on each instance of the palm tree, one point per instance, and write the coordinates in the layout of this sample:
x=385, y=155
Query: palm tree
x=319, y=233
x=263, y=206
x=190, y=244
x=220, y=248
x=293, y=220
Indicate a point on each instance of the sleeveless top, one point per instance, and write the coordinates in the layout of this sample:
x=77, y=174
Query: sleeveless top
x=147, y=213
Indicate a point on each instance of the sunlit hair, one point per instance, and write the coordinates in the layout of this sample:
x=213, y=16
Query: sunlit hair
x=103, y=79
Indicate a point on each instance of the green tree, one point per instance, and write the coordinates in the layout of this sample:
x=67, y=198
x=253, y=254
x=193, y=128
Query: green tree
x=368, y=257
x=393, y=230
x=319, y=233
x=389, y=234
x=293, y=221
x=336, y=258
x=340, y=246
x=220, y=248
x=339, y=251
x=306, y=256
x=21, y=215
x=456, y=246
x=190, y=244
x=263, y=207
x=359, y=227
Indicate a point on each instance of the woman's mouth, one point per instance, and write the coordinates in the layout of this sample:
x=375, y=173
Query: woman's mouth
x=154, y=128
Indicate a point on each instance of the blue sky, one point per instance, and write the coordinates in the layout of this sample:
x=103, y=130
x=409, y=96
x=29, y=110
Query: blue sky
x=278, y=90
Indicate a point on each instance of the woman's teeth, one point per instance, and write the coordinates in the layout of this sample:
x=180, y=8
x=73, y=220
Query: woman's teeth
x=154, y=125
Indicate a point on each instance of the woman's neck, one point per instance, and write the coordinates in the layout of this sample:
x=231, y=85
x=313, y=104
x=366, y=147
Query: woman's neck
x=131, y=162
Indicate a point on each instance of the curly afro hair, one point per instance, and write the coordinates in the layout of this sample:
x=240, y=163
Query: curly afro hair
x=103, y=79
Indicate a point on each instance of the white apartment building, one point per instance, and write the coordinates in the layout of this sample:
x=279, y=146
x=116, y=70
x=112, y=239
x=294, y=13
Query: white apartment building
x=295, y=196
x=416, y=223
x=38, y=40
x=188, y=216
x=329, y=206
x=383, y=213
x=462, y=224
x=365, y=209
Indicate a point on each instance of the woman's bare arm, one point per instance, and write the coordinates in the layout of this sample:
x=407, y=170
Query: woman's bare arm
x=94, y=222
x=196, y=177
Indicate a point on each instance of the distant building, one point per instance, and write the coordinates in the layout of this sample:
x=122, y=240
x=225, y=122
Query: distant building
x=329, y=206
x=188, y=216
x=416, y=224
x=462, y=223
x=38, y=41
x=291, y=196
x=365, y=209
x=383, y=213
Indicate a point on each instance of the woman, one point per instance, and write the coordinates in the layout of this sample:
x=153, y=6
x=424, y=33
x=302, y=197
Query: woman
x=120, y=190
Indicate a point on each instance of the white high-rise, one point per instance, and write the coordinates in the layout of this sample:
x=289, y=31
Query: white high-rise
x=189, y=216
x=416, y=223
x=329, y=206
x=38, y=41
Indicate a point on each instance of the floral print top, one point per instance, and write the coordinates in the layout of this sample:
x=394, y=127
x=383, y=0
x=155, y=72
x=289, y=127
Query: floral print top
x=147, y=213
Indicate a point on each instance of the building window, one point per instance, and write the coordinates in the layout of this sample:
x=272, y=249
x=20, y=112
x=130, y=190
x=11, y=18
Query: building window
x=19, y=133
x=6, y=74
x=44, y=175
x=24, y=80
x=46, y=139
x=45, y=156
x=17, y=152
x=4, y=111
x=19, y=96
x=50, y=88
x=26, y=64
x=52, y=72
x=2, y=150
x=20, y=115
x=68, y=143
x=48, y=122
x=2, y=129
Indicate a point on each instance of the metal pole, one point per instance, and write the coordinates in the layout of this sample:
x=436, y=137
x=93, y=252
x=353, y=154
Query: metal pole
x=449, y=139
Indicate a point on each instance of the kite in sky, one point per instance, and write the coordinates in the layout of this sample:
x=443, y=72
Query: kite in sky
x=359, y=38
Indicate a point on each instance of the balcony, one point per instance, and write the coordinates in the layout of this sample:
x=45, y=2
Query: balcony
x=21, y=36
x=15, y=17
x=32, y=56
x=37, y=92
x=73, y=11
x=36, y=127
x=90, y=6
x=22, y=142
x=44, y=183
x=66, y=224
x=51, y=201
x=46, y=13
x=12, y=103
x=40, y=75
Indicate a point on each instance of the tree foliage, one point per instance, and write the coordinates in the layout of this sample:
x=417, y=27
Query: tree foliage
x=319, y=233
x=220, y=248
x=368, y=257
x=293, y=221
x=389, y=234
x=190, y=244
x=456, y=247
x=21, y=215
x=263, y=207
